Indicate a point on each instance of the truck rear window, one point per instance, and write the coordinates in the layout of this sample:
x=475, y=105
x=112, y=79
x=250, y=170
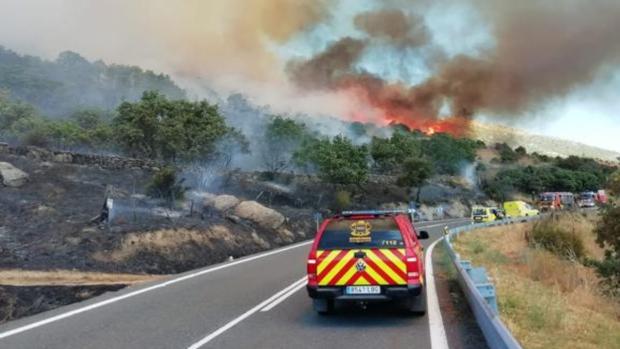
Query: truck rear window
x=480, y=212
x=352, y=234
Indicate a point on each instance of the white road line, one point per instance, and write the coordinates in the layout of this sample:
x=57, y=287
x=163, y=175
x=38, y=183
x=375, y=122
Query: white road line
x=145, y=290
x=245, y=315
x=435, y=321
x=148, y=289
x=284, y=296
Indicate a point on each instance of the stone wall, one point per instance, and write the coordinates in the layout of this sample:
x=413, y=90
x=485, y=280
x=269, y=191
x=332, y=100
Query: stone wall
x=103, y=161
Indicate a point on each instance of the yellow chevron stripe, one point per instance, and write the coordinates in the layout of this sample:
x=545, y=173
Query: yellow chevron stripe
x=348, y=275
x=386, y=268
x=361, y=282
x=330, y=275
x=376, y=276
x=400, y=264
x=326, y=261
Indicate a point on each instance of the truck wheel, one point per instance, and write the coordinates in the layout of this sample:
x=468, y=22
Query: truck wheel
x=416, y=305
x=323, y=306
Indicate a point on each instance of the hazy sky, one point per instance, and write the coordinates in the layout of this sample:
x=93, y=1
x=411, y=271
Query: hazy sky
x=245, y=45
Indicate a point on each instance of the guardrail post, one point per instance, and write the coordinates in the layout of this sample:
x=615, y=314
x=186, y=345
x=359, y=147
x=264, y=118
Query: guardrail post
x=487, y=291
x=481, y=280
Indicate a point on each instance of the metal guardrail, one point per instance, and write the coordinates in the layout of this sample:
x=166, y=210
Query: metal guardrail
x=479, y=290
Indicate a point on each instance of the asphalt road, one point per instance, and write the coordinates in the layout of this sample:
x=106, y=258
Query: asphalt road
x=254, y=302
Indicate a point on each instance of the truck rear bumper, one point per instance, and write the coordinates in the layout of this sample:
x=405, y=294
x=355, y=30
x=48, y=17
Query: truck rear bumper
x=388, y=293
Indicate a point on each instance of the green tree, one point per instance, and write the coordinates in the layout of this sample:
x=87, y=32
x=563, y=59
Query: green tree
x=448, y=154
x=506, y=154
x=415, y=172
x=521, y=151
x=165, y=185
x=608, y=237
x=282, y=138
x=12, y=113
x=231, y=144
x=614, y=183
x=388, y=154
x=158, y=128
x=58, y=88
x=336, y=160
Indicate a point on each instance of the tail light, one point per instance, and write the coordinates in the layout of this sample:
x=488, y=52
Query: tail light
x=413, y=271
x=311, y=268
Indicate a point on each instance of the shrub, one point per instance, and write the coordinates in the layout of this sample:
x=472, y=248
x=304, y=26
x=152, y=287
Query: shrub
x=336, y=160
x=164, y=185
x=506, y=153
x=342, y=200
x=448, y=154
x=608, y=237
x=282, y=137
x=388, y=153
x=548, y=235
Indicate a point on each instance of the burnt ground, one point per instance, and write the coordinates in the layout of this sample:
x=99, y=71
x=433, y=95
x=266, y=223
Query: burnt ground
x=17, y=302
x=459, y=322
x=46, y=224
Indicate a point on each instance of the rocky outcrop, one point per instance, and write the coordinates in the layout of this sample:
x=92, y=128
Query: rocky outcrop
x=263, y=216
x=12, y=176
x=103, y=161
x=222, y=202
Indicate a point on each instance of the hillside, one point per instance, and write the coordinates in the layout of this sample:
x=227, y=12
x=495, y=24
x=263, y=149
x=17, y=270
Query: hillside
x=71, y=82
x=492, y=133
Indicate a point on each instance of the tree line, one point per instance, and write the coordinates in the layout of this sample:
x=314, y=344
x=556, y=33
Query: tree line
x=70, y=82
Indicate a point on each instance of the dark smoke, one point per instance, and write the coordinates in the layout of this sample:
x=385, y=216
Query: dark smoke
x=327, y=68
x=542, y=50
x=394, y=26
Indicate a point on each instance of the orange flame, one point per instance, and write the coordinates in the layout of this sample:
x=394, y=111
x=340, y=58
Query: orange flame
x=387, y=111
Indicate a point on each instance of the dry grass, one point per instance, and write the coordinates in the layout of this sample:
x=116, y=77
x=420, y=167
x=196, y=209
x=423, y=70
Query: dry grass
x=18, y=277
x=166, y=242
x=547, y=302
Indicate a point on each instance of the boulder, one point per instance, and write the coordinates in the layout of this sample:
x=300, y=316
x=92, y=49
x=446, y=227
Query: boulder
x=222, y=202
x=63, y=157
x=286, y=235
x=456, y=209
x=39, y=154
x=265, y=217
x=260, y=241
x=12, y=176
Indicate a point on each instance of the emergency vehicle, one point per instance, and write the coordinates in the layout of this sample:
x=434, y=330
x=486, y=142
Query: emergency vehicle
x=549, y=201
x=367, y=256
x=519, y=209
x=587, y=199
x=601, y=197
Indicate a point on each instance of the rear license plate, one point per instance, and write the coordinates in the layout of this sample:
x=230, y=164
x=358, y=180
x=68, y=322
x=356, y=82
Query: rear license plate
x=363, y=290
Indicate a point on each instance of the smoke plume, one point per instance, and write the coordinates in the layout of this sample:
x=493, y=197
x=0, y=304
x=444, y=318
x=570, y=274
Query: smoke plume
x=542, y=50
x=394, y=26
x=537, y=51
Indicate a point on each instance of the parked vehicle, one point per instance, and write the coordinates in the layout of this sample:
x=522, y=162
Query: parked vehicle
x=549, y=201
x=519, y=209
x=601, y=197
x=587, y=199
x=553, y=201
x=482, y=214
x=568, y=200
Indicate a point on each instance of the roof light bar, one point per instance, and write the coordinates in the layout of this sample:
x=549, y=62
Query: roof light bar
x=377, y=212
